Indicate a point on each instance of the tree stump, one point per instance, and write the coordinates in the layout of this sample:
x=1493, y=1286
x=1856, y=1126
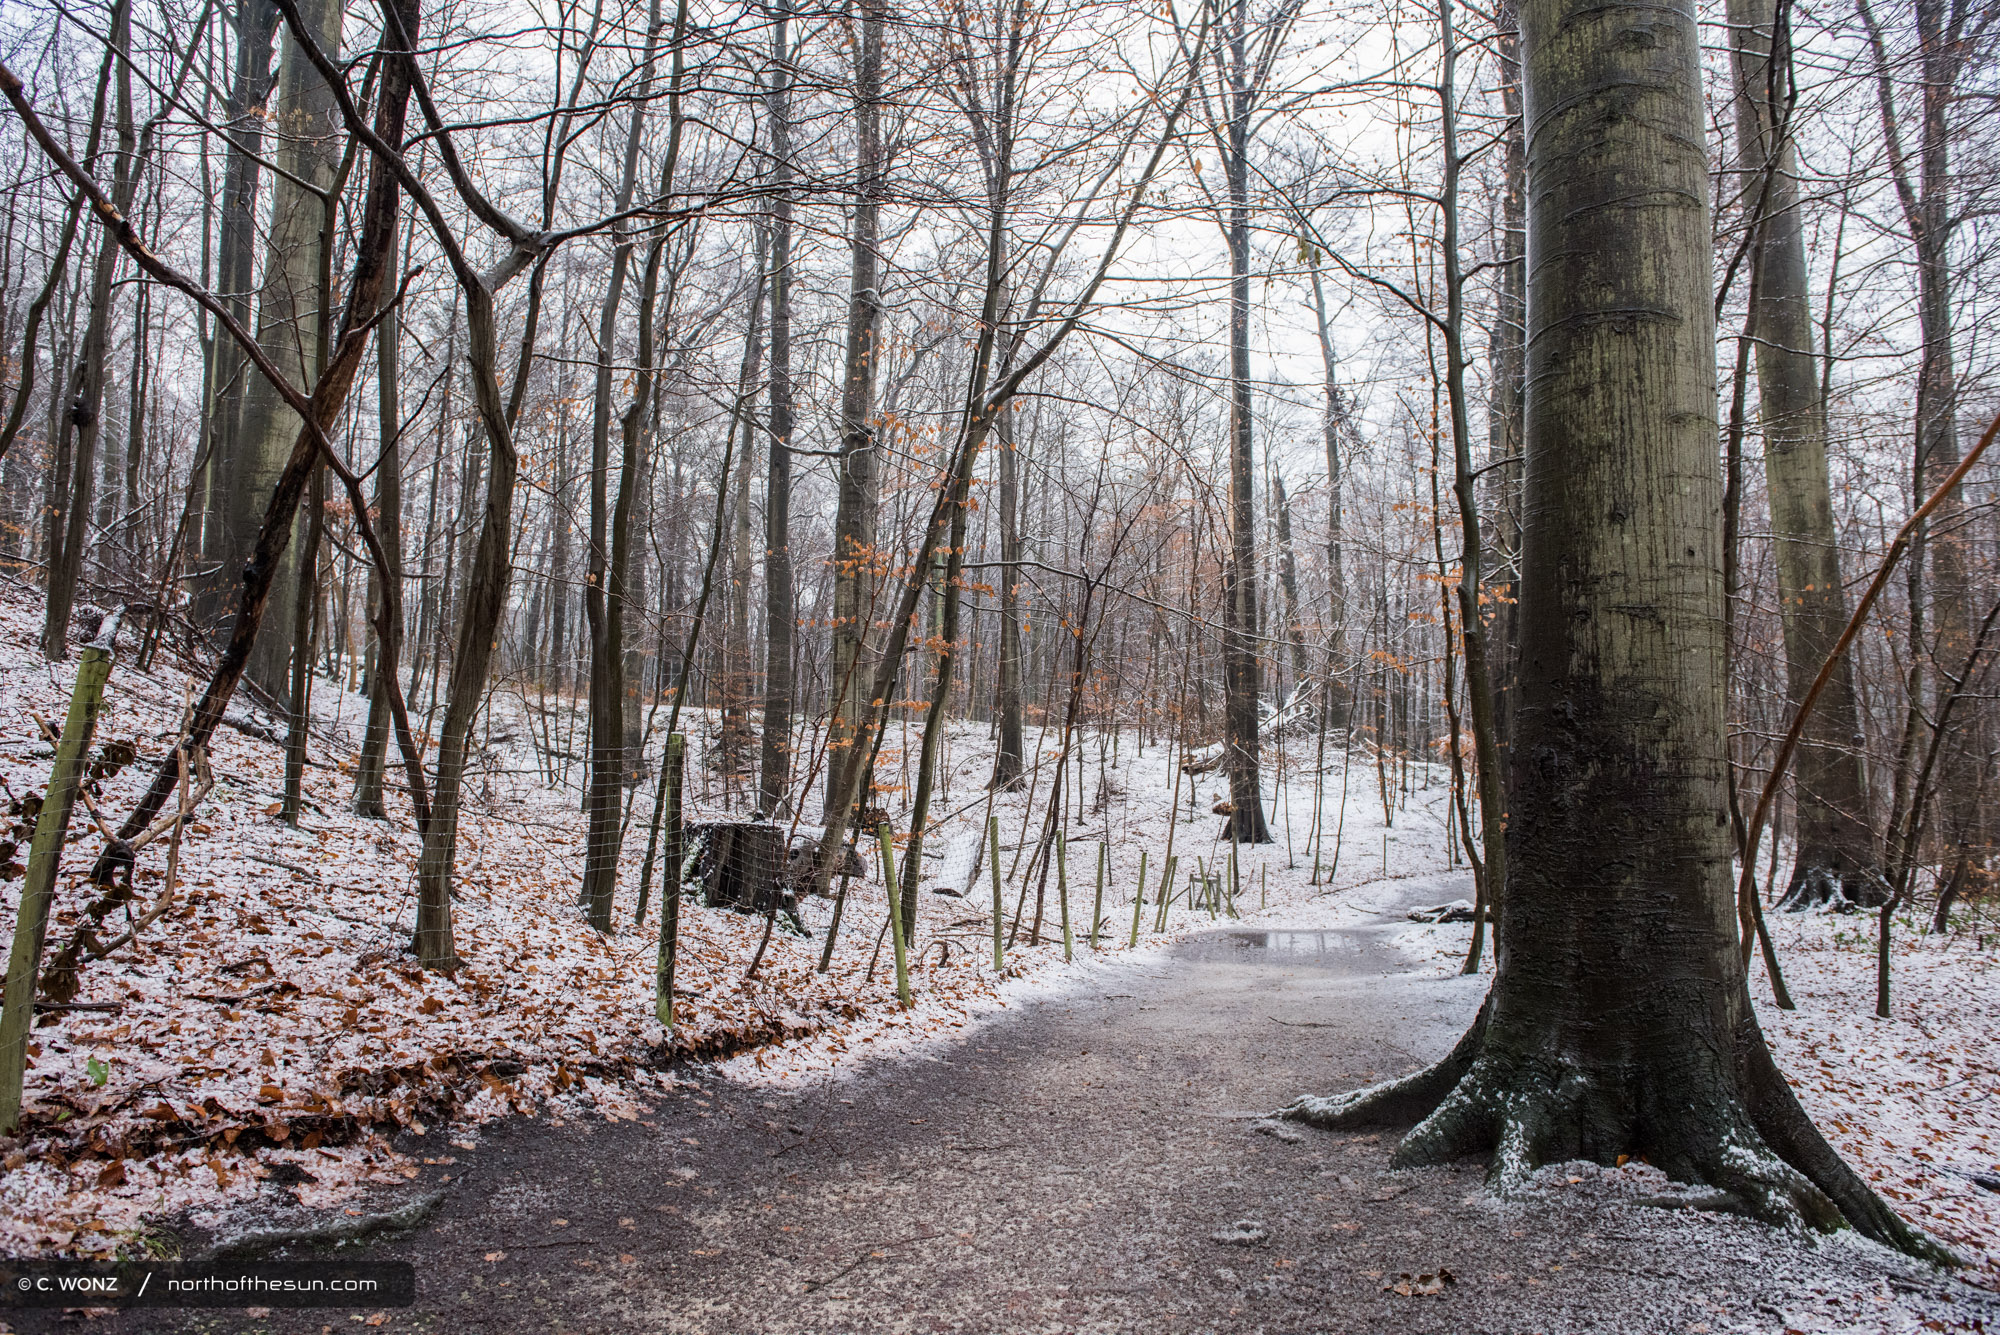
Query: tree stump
x=740, y=865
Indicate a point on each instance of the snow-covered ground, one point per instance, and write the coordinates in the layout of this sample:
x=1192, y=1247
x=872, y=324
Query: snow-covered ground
x=265, y=1039
x=268, y=1035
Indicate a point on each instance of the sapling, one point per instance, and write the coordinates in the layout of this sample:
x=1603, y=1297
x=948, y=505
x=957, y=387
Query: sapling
x=1062, y=894
x=887, y=834
x=1097, y=904
x=993, y=841
x=1138, y=900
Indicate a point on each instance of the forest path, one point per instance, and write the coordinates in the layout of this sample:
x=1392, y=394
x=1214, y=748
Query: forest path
x=1066, y=1167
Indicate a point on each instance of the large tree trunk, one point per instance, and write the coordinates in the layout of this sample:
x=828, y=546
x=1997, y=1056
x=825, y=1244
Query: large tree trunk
x=775, y=769
x=1620, y=1022
x=854, y=556
x=1836, y=860
x=235, y=269
x=289, y=317
x=365, y=290
x=1239, y=583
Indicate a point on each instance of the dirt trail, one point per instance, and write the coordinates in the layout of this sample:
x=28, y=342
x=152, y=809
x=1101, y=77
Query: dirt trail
x=1083, y=1164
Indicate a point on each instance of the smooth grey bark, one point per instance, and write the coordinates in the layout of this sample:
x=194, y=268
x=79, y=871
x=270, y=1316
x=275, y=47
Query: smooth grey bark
x=75, y=468
x=1619, y=1022
x=1242, y=79
x=608, y=762
x=738, y=673
x=856, y=562
x=370, y=766
x=1837, y=858
x=306, y=125
x=1507, y=394
x=1472, y=623
x=1925, y=190
x=1288, y=580
x=775, y=765
x=235, y=271
x=1333, y=424
x=1007, y=765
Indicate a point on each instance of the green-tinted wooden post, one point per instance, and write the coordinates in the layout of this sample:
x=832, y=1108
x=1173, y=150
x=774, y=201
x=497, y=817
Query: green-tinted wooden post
x=44, y=860
x=670, y=883
x=1166, y=890
x=1138, y=900
x=1097, y=906
x=1232, y=885
x=1062, y=893
x=886, y=833
x=993, y=856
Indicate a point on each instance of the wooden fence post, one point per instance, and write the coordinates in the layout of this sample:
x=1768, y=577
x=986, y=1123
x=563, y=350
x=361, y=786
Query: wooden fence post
x=17, y=1016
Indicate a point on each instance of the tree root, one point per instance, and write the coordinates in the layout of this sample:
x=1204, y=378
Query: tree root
x=1817, y=889
x=1393, y=1102
x=1753, y=1146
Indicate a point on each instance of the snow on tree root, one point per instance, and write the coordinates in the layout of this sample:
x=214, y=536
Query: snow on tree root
x=1817, y=889
x=1756, y=1149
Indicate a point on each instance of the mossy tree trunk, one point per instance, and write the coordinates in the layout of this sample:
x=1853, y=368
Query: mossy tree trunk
x=1620, y=1020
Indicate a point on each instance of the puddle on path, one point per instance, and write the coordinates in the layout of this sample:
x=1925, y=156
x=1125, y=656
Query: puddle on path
x=1290, y=945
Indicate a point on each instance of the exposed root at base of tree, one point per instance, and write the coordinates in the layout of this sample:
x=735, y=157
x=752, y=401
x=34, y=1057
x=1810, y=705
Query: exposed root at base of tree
x=1828, y=889
x=1754, y=1146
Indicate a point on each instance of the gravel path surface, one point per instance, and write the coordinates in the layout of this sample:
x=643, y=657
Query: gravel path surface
x=1093, y=1162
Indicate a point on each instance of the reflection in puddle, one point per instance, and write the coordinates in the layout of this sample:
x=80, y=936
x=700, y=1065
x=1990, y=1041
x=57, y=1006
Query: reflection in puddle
x=1292, y=943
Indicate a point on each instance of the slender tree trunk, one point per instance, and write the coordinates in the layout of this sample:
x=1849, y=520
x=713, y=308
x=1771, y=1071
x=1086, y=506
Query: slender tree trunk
x=76, y=452
x=739, y=677
x=774, y=771
x=602, y=805
x=1239, y=585
x=1007, y=759
x=1333, y=421
x=1288, y=580
x=1940, y=34
x=1507, y=397
x=305, y=604
x=1471, y=562
x=855, y=559
x=369, y=769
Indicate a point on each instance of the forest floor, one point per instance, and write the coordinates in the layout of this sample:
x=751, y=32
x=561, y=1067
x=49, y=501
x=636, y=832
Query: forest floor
x=1095, y=1161
x=266, y=1052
